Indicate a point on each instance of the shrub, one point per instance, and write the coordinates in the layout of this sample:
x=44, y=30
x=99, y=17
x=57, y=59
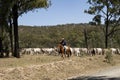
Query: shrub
x=109, y=57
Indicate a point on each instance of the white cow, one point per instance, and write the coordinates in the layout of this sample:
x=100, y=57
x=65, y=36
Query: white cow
x=84, y=50
x=76, y=51
x=28, y=51
x=99, y=51
x=113, y=50
x=49, y=51
x=72, y=50
x=37, y=50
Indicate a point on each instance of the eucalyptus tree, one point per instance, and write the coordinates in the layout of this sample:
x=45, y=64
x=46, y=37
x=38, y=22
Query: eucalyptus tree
x=20, y=7
x=5, y=6
x=10, y=10
x=108, y=13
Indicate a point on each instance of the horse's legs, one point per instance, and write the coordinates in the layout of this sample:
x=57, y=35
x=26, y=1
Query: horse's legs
x=68, y=53
x=65, y=53
x=62, y=55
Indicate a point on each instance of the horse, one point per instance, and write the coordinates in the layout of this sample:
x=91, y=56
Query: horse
x=64, y=51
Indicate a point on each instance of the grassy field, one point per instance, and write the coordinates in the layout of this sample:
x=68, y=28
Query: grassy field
x=27, y=60
x=44, y=67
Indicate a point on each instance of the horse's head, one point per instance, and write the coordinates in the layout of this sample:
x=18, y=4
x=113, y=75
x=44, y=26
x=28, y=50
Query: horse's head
x=60, y=47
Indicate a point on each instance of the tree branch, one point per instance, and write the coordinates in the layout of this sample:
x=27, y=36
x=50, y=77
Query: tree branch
x=103, y=12
x=112, y=32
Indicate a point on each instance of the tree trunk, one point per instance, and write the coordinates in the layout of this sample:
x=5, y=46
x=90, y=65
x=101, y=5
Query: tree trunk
x=1, y=35
x=86, y=39
x=1, y=39
x=106, y=28
x=1, y=48
x=11, y=36
x=106, y=37
x=15, y=24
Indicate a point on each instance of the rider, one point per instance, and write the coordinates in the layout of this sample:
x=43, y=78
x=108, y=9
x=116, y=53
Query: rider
x=63, y=42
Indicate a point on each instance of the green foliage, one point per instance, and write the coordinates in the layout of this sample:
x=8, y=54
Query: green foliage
x=30, y=5
x=109, y=57
x=104, y=9
x=49, y=36
x=106, y=12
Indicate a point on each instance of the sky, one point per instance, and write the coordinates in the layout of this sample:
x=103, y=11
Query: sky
x=60, y=12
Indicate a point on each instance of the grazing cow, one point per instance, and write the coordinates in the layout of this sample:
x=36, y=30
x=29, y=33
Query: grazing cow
x=92, y=51
x=49, y=51
x=95, y=51
x=28, y=51
x=77, y=51
x=84, y=50
x=36, y=50
x=113, y=50
x=99, y=51
x=72, y=50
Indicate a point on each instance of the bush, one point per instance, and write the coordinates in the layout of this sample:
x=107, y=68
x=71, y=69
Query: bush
x=109, y=57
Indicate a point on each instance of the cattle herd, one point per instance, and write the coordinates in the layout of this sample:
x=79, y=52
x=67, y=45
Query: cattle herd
x=74, y=51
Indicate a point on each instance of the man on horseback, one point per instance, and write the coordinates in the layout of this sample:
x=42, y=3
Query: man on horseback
x=63, y=49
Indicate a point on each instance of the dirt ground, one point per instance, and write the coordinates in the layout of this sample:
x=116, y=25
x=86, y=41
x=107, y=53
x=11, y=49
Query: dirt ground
x=52, y=67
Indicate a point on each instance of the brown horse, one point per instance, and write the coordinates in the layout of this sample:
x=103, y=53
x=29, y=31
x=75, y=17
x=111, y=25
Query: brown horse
x=64, y=51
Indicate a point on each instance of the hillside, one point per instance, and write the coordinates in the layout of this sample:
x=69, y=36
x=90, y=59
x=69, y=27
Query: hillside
x=49, y=36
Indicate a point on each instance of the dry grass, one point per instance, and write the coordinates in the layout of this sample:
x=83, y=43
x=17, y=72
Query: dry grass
x=27, y=60
x=43, y=67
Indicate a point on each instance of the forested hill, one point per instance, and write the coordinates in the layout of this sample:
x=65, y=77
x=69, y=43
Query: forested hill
x=76, y=35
